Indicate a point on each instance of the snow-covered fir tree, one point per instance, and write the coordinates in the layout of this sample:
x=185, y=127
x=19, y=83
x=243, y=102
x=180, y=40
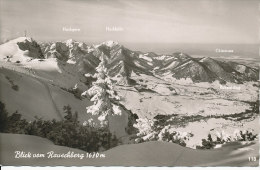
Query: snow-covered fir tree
x=103, y=95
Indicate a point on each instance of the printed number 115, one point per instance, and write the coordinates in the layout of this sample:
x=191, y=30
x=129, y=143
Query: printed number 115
x=252, y=159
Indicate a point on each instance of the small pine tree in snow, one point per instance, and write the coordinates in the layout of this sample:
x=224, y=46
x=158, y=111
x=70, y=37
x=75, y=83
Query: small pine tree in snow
x=150, y=131
x=102, y=94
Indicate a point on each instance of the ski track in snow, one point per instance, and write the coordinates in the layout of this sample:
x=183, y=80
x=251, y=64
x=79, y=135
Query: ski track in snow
x=50, y=95
x=31, y=73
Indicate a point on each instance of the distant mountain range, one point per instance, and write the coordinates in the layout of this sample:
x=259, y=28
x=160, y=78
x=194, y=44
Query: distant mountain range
x=122, y=62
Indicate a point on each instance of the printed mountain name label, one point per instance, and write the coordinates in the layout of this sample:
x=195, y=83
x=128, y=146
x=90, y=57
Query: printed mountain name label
x=224, y=50
x=230, y=87
x=69, y=29
x=52, y=155
x=114, y=29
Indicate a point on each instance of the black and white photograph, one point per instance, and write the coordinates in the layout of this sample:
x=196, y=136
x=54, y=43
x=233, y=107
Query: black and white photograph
x=130, y=83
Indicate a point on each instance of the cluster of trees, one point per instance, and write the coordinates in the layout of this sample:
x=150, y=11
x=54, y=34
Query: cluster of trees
x=222, y=138
x=67, y=132
x=150, y=130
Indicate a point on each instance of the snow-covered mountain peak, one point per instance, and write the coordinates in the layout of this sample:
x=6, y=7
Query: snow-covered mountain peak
x=110, y=43
x=21, y=39
x=20, y=48
x=70, y=42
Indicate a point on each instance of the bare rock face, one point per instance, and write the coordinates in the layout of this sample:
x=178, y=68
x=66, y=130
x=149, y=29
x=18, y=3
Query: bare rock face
x=34, y=49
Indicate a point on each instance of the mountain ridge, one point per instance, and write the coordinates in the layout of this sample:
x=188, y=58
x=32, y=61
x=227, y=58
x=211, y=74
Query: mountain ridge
x=121, y=61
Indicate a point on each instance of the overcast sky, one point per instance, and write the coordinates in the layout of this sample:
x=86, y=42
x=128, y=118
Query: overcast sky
x=143, y=21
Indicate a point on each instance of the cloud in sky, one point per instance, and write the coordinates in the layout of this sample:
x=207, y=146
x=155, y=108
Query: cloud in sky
x=143, y=21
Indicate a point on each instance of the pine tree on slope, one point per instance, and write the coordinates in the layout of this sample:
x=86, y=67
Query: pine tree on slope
x=102, y=94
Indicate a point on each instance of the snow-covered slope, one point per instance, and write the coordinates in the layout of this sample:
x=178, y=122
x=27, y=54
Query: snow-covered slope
x=145, y=154
x=38, y=96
